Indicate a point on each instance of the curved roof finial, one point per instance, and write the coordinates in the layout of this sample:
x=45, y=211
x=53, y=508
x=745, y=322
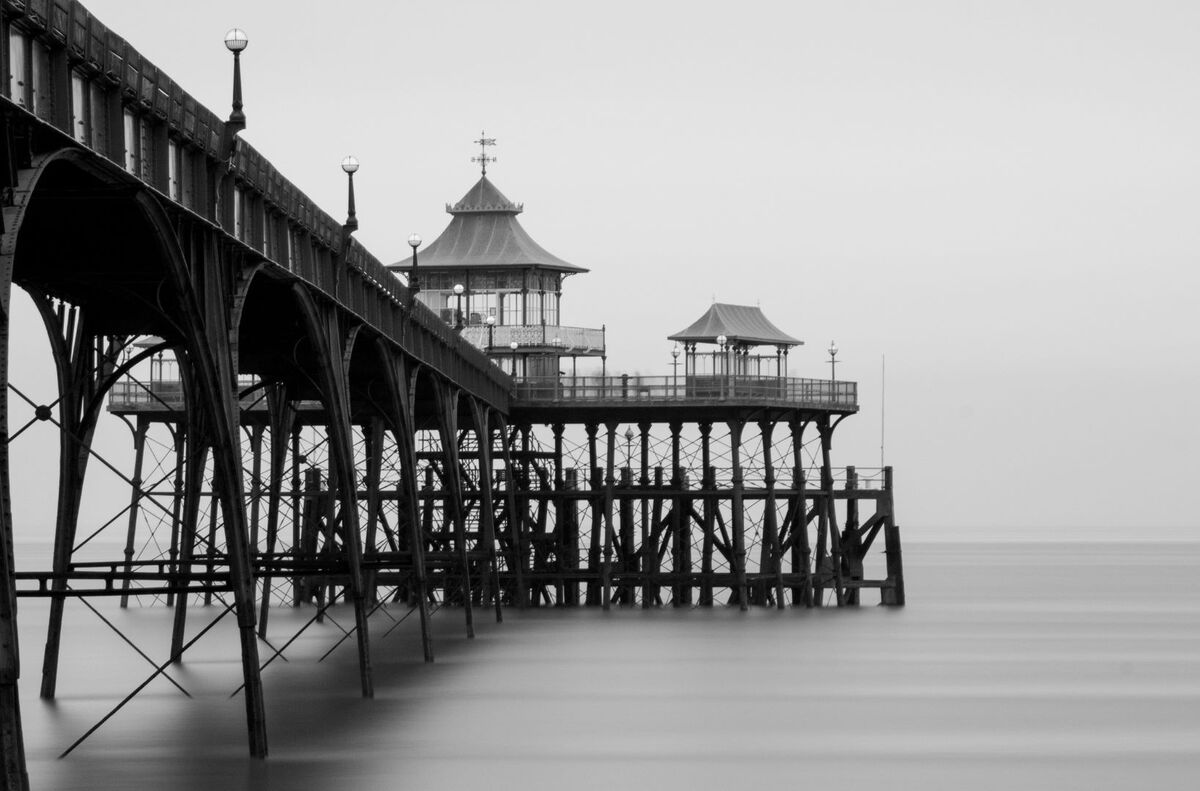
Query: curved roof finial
x=484, y=141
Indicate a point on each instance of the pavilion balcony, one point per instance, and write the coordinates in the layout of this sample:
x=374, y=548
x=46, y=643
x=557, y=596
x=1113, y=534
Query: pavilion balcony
x=567, y=341
x=642, y=391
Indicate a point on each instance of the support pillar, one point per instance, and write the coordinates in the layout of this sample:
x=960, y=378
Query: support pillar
x=135, y=496
x=281, y=413
x=708, y=484
x=332, y=345
x=681, y=563
x=739, y=518
x=772, y=554
x=401, y=380
x=487, y=514
x=801, y=548
x=515, y=520
x=447, y=415
x=609, y=484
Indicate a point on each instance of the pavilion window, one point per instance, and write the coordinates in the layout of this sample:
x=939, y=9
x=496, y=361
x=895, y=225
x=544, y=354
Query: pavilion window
x=132, y=141
x=18, y=56
x=480, y=307
x=533, y=302
x=513, y=309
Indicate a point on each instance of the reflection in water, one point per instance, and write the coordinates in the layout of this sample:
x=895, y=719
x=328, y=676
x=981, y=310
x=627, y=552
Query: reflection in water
x=1013, y=667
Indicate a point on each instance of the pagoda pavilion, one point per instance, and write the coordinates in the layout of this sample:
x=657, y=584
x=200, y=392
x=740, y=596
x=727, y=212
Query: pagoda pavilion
x=487, y=276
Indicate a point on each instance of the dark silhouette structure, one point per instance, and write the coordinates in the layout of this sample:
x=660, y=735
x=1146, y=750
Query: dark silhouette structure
x=334, y=436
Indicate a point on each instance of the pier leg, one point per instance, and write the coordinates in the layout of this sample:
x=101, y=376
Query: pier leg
x=373, y=445
x=648, y=550
x=739, y=523
x=13, y=774
x=139, y=453
x=829, y=518
x=197, y=460
x=893, y=593
x=447, y=411
x=515, y=519
x=609, y=484
x=179, y=437
x=282, y=415
x=708, y=484
x=801, y=549
x=333, y=346
x=681, y=544
x=852, y=561
x=772, y=550
x=401, y=381
x=487, y=526
x=83, y=361
x=594, y=505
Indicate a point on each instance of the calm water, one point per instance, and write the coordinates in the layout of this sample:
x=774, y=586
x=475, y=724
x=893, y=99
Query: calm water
x=1013, y=667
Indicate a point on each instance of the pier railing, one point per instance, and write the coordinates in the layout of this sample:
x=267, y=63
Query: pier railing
x=570, y=340
x=817, y=393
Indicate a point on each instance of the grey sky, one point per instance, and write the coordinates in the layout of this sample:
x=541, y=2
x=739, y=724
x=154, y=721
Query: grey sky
x=1001, y=197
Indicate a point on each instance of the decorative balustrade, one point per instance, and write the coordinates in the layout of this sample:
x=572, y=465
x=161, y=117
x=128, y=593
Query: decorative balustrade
x=816, y=393
x=570, y=340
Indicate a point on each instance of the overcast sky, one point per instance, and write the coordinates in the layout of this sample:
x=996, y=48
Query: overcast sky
x=1000, y=197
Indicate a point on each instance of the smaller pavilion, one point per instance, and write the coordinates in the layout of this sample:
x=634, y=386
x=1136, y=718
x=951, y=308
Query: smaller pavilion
x=734, y=330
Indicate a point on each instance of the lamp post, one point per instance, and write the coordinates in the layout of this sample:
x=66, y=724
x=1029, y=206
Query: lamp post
x=628, y=447
x=833, y=350
x=350, y=166
x=458, y=314
x=675, y=370
x=235, y=42
x=414, y=241
x=513, y=345
x=491, y=325
x=724, y=380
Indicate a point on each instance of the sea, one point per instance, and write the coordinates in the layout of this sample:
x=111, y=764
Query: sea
x=1031, y=665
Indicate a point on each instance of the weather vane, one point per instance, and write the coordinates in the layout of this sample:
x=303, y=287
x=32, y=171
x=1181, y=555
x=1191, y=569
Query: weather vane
x=483, y=159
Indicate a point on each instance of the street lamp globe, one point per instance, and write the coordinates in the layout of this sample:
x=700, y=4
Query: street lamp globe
x=458, y=289
x=235, y=40
x=490, y=321
x=833, y=349
x=512, y=345
x=721, y=339
x=675, y=351
x=350, y=165
x=414, y=240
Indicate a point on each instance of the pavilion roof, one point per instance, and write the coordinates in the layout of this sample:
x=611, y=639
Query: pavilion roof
x=740, y=324
x=485, y=234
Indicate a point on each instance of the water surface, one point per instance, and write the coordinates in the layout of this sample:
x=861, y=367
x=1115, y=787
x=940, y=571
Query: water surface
x=1053, y=666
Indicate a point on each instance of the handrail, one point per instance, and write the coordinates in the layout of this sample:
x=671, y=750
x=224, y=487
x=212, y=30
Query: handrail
x=571, y=340
x=632, y=390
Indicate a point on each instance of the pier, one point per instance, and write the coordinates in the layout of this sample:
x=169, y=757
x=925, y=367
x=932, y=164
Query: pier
x=311, y=425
